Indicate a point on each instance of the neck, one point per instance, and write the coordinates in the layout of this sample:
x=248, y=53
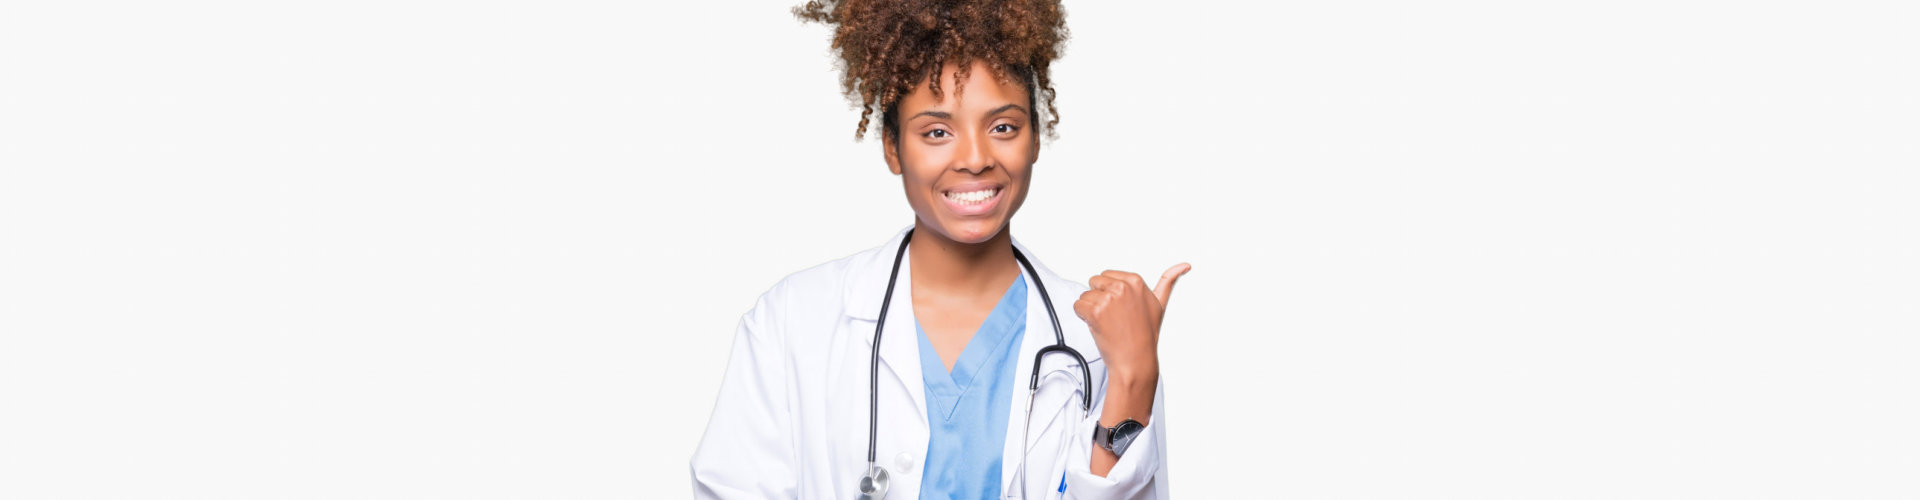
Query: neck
x=954, y=267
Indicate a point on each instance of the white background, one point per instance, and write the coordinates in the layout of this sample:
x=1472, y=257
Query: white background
x=415, y=249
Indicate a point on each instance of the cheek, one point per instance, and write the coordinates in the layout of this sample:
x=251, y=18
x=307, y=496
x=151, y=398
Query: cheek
x=921, y=164
x=1024, y=180
x=918, y=181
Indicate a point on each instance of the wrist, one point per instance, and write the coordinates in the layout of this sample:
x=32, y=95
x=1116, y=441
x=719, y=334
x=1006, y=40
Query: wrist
x=1133, y=378
x=1130, y=394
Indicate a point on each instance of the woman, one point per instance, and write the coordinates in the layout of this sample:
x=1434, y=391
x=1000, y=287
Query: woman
x=811, y=408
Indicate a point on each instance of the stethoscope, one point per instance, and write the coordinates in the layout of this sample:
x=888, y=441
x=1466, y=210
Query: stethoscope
x=873, y=484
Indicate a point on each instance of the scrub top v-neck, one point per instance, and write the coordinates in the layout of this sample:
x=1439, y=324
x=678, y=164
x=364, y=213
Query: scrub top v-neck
x=967, y=409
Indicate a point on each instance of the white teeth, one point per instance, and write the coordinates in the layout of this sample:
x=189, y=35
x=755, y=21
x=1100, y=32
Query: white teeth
x=972, y=197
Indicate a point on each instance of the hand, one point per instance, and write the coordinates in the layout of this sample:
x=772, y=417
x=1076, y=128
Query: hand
x=1125, y=318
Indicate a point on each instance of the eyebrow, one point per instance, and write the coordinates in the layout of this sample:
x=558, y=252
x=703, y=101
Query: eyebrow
x=948, y=116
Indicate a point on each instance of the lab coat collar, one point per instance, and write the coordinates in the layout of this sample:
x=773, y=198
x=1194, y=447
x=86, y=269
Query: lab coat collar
x=867, y=280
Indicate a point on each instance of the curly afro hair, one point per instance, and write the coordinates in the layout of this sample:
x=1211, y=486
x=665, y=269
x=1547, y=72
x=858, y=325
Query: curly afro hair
x=887, y=47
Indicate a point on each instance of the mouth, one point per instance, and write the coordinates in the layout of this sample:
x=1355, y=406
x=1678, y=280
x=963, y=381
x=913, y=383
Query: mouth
x=973, y=199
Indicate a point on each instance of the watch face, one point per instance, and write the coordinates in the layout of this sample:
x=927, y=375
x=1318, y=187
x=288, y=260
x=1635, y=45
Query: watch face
x=1123, y=435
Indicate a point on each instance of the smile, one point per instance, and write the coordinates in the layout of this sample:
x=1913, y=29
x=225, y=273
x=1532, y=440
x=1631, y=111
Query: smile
x=975, y=199
x=972, y=197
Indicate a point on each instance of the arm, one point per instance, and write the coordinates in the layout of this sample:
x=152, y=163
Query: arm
x=746, y=451
x=1124, y=316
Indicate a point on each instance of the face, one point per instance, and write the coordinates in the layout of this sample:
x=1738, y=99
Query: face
x=965, y=159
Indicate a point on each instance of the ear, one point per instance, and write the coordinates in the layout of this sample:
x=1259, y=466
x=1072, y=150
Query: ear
x=891, y=149
x=1035, y=156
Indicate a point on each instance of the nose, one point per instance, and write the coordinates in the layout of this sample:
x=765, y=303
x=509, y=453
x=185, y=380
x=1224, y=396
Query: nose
x=973, y=156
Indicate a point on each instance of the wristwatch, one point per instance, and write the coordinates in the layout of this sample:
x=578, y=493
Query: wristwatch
x=1117, y=438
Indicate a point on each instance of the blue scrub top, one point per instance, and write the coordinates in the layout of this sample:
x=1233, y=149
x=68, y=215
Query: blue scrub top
x=967, y=409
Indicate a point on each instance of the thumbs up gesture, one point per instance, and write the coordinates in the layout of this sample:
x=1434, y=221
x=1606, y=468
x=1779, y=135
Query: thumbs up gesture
x=1125, y=318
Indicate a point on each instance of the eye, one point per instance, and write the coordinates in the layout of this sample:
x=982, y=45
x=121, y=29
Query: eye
x=1004, y=128
x=935, y=134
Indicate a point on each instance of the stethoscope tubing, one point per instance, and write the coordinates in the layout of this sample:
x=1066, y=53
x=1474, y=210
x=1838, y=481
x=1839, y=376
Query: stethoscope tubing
x=873, y=367
x=1059, y=340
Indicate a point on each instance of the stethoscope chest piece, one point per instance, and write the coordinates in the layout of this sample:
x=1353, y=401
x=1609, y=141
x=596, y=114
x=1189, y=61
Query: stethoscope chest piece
x=873, y=485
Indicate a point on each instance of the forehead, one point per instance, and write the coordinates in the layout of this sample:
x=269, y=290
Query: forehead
x=982, y=89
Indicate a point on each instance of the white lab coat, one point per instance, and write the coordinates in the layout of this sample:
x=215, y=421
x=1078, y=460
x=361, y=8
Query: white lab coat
x=791, y=419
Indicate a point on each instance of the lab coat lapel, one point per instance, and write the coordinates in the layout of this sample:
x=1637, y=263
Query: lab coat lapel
x=899, y=345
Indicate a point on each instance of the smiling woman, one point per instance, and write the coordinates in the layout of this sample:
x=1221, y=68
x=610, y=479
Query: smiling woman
x=960, y=89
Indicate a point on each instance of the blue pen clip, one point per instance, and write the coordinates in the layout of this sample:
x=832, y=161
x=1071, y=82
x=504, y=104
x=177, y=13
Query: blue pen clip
x=1063, y=483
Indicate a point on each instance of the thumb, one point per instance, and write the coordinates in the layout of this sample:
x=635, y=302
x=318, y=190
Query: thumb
x=1165, y=289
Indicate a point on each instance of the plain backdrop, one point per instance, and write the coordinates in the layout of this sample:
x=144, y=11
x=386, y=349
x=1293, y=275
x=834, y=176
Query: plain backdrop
x=418, y=249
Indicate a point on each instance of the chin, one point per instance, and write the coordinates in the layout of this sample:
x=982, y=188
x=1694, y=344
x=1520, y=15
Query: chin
x=973, y=232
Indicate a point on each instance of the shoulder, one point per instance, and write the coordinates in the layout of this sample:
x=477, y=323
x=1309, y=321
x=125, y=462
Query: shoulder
x=824, y=287
x=1062, y=286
